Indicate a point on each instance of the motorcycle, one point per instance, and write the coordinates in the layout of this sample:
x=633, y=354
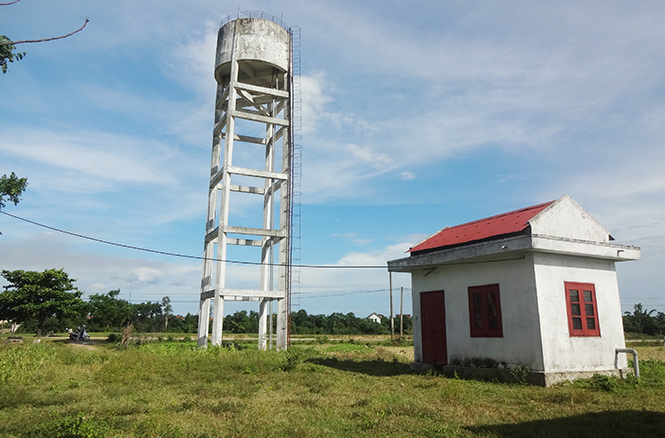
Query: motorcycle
x=80, y=335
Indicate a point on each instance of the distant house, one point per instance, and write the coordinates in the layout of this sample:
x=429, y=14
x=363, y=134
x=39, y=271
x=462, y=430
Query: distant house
x=534, y=288
x=374, y=317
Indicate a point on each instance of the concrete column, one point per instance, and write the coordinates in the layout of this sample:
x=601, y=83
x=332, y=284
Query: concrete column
x=263, y=323
x=281, y=338
x=204, y=311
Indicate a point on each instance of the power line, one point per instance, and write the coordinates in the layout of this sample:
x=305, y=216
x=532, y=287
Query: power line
x=311, y=293
x=186, y=256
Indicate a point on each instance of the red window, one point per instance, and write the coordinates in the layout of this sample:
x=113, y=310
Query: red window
x=485, y=311
x=582, y=309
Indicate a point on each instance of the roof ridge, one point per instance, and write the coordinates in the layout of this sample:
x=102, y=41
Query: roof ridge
x=496, y=216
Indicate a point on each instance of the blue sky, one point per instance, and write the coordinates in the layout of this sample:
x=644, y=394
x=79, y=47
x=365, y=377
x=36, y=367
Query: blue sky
x=416, y=115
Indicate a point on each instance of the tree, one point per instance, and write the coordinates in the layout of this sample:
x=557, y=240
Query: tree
x=106, y=310
x=642, y=321
x=7, y=46
x=11, y=188
x=7, y=53
x=38, y=296
x=147, y=316
x=167, y=310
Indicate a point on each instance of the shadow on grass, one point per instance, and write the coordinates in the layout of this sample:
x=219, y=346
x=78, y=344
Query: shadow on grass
x=369, y=367
x=600, y=424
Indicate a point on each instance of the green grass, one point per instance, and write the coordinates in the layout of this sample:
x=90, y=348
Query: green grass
x=643, y=336
x=172, y=389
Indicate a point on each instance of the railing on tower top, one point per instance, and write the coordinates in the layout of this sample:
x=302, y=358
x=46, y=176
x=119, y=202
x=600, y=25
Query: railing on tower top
x=254, y=14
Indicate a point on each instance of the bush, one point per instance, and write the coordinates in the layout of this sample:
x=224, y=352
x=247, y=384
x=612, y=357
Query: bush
x=599, y=382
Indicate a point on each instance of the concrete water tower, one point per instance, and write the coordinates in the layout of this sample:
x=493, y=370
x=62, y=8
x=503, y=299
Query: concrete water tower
x=249, y=201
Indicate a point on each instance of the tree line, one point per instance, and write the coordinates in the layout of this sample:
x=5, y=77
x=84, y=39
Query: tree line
x=644, y=321
x=48, y=301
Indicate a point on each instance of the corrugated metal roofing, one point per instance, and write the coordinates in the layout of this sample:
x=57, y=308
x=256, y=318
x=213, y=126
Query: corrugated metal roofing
x=502, y=224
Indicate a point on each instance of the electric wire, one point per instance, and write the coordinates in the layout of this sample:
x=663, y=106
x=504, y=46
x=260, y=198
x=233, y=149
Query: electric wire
x=186, y=256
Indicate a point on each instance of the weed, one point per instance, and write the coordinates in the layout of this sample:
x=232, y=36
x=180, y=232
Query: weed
x=652, y=373
x=370, y=420
x=73, y=383
x=477, y=362
x=126, y=336
x=520, y=374
x=17, y=360
x=293, y=359
x=71, y=426
x=350, y=348
x=397, y=342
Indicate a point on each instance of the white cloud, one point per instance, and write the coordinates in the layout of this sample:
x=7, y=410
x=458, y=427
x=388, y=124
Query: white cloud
x=98, y=154
x=98, y=287
x=314, y=100
x=145, y=275
x=369, y=156
x=97, y=272
x=192, y=63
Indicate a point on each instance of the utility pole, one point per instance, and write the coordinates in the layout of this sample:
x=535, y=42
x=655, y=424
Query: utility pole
x=392, y=320
x=401, y=313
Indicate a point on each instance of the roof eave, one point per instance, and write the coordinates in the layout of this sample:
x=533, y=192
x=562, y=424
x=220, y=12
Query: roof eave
x=507, y=248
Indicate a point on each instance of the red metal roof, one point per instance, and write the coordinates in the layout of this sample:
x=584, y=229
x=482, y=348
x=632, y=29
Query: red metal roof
x=506, y=223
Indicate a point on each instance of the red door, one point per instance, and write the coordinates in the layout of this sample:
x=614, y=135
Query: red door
x=433, y=327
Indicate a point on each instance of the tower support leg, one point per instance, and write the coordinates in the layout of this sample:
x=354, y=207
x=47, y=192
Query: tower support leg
x=217, y=321
x=281, y=324
x=204, y=311
x=263, y=323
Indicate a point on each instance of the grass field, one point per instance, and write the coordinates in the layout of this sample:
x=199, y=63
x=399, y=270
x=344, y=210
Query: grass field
x=171, y=389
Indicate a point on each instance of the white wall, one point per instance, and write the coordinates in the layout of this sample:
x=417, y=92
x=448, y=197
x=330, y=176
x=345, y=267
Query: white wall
x=562, y=352
x=565, y=218
x=520, y=344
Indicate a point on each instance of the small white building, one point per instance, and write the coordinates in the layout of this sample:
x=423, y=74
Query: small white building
x=374, y=317
x=530, y=290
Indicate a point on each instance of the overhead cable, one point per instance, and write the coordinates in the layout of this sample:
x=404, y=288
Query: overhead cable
x=186, y=256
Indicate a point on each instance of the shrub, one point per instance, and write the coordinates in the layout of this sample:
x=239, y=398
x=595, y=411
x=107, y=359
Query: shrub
x=599, y=382
x=293, y=359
